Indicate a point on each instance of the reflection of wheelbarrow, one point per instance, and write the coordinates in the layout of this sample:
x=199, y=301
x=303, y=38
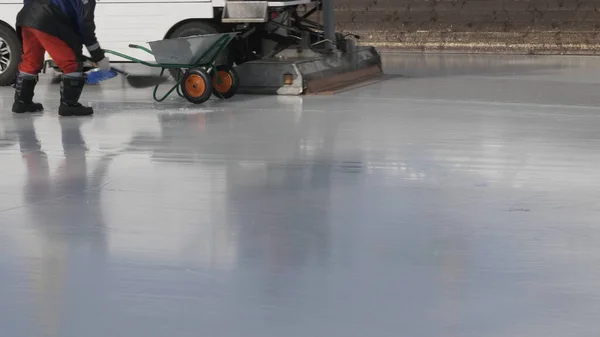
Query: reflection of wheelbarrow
x=199, y=78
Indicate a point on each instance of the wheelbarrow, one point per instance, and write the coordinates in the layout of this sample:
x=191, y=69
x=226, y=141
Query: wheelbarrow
x=194, y=56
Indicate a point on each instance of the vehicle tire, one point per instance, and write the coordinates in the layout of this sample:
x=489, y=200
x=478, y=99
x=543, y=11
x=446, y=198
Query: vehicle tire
x=199, y=27
x=225, y=81
x=196, y=85
x=10, y=55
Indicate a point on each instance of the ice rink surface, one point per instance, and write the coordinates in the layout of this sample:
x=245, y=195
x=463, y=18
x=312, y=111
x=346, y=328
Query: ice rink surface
x=459, y=199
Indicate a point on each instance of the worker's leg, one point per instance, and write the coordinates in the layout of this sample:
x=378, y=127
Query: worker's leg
x=73, y=77
x=31, y=64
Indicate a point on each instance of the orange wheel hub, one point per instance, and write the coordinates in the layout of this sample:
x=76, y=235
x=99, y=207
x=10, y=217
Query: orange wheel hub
x=195, y=86
x=223, y=81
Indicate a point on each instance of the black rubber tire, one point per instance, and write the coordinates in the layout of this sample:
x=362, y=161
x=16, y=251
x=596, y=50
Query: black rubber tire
x=196, y=74
x=8, y=76
x=198, y=27
x=235, y=82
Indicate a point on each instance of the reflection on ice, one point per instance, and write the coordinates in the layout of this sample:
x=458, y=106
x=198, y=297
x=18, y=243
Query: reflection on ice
x=449, y=201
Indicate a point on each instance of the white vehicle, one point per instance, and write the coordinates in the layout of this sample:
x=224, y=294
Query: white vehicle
x=123, y=22
x=268, y=30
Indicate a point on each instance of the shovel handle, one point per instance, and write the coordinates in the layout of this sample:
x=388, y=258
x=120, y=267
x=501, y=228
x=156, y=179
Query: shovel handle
x=119, y=71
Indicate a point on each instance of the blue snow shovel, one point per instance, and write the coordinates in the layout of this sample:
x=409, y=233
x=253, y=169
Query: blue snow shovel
x=100, y=75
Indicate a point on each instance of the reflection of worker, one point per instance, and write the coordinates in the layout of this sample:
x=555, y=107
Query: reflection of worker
x=37, y=188
x=72, y=253
x=59, y=27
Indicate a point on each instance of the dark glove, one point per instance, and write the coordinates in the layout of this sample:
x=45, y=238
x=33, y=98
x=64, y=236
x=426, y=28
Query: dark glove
x=97, y=55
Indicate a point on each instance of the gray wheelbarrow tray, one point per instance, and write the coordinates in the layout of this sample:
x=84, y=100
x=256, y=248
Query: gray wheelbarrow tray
x=192, y=52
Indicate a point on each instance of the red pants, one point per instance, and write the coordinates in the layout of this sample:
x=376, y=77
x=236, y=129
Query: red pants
x=35, y=45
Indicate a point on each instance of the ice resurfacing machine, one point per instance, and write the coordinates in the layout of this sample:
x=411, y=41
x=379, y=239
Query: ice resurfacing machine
x=285, y=50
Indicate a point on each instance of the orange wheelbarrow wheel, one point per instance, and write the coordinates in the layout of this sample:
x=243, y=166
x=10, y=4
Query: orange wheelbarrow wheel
x=196, y=86
x=225, y=81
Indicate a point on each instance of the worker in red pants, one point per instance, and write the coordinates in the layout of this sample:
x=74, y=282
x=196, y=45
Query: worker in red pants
x=60, y=27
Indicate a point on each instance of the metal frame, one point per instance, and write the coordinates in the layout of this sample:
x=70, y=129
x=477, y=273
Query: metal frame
x=305, y=33
x=328, y=22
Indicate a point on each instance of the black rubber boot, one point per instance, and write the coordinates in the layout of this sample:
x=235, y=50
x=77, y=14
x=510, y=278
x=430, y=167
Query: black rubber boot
x=24, y=88
x=70, y=91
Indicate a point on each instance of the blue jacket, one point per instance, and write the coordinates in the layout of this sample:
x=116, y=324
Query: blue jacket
x=70, y=20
